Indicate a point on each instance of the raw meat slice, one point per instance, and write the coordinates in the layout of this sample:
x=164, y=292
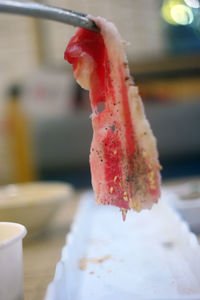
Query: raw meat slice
x=123, y=157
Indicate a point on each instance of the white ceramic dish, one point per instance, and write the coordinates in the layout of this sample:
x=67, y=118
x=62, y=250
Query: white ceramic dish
x=186, y=200
x=152, y=255
x=11, y=261
x=32, y=204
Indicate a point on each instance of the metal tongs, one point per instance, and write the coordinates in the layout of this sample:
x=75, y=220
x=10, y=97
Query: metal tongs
x=39, y=10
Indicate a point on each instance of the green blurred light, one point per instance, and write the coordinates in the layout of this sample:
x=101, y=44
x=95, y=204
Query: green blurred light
x=166, y=10
x=175, y=12
x=182, y=14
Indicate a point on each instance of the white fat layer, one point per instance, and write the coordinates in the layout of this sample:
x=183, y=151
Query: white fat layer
x=143, y=133
x=84, y=71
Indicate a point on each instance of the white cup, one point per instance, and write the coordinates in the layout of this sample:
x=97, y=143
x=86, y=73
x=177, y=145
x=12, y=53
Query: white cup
x=11, y=261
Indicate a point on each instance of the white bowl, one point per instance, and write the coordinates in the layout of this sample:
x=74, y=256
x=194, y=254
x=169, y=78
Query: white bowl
x=32, y=204
x=11, y=261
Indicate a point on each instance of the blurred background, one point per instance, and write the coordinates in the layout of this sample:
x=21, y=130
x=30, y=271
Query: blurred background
x=45, y=130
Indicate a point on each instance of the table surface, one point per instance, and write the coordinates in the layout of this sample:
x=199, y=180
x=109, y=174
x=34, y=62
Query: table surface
x=43, y=252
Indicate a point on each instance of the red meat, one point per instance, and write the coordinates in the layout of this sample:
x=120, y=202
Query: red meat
x=123, y=157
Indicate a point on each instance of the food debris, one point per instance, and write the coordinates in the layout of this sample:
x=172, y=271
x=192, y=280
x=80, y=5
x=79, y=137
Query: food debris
x=168, y=244
x=83, y=262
